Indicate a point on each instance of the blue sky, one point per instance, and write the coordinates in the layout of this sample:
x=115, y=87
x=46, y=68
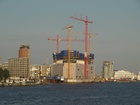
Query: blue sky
x=32, y=22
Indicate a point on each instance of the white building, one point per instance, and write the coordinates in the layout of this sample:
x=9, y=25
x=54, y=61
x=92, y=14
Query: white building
x=38, y=71
x=122, y=74
x=44, y=70
x=34, y=71
x=138, y=77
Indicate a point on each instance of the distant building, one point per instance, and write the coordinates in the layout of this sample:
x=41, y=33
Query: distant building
x=138, y=77
x=4, y=65
x=44, y=70
x=122, y=74
x=108, y=67
x=34, y=71
x=19, y=67
x=39, y=71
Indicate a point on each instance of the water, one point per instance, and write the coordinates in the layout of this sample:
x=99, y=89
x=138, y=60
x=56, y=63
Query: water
x=73, y=94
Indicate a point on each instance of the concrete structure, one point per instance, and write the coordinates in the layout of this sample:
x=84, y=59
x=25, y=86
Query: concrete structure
x=24, y=51
x=19, y=67
x=122, y=74
x=76, y=71
x=60, y=66
x=108, y=67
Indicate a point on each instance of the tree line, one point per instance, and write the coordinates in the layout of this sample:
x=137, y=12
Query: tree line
x=4, y=74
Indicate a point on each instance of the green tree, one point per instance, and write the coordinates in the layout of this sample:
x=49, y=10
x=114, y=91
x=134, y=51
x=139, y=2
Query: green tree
x=6, y=74
x=1, y=74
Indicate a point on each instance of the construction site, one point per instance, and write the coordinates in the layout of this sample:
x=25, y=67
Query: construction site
x=71, y=65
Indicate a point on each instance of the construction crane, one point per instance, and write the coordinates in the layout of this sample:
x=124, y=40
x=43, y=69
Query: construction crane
x=90, y=40
x=57, y=42
x=69, y=30
x=57, y=39
x=86, y=41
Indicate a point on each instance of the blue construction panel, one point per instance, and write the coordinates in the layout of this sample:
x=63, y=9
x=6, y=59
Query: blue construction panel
x=81, y=56
x=64, y=53
x=59, y=56
x=75, y=53
x=92, y=56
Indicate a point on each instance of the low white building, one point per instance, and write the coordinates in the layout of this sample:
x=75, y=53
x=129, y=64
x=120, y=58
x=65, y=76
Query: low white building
x=34, y=71
x=38, y=71
x=122, y=74
x=138, y=77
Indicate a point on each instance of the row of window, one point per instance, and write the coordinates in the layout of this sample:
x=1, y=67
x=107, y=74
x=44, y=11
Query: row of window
x=91, y=68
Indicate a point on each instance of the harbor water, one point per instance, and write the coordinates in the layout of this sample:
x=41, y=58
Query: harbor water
x=73, y=94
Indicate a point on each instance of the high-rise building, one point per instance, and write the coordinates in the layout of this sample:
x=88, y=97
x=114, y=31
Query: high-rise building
x=24, y=51
x=20, y=67
x=108, y=67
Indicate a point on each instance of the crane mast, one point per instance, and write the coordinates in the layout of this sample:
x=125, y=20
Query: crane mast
x=57, y=42
x=86, y=42
x=69, y=30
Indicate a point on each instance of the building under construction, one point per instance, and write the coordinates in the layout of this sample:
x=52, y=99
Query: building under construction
x=72, y=71
x=73, y=66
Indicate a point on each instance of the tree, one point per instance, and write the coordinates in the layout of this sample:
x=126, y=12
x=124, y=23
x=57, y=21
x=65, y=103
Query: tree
x=6, y=74
x=1, y=74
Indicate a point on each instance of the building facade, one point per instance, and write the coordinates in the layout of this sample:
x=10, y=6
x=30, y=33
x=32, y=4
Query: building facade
x=76, y=72
x=19, y=67
x=44, y=70
x=39, y=71
x=34, y=71
x=107, y=71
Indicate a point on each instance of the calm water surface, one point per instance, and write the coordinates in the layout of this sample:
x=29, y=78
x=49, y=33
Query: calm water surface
x=73, y=94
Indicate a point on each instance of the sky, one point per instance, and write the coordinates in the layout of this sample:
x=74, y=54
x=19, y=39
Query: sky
x=32, y=22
